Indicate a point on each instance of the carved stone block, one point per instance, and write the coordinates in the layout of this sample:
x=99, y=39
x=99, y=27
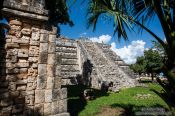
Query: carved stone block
x=44, y=38
x=39, y=96
x=56, y=94
x=26, y=93
x=22, y=64
x=50, y=82
x=10, y=65
x=57, y=82
x=42, y=69
x=63, y=93
x=29, y=99
x=32, y=72
x=47, y=109
x=34, y=51
x=51, y=70
x=43, y=57
x=15, y=28
x=22, y=75
x=33, y=59
x=35, y=36
x=11, y=78
x=15, y=22
x=12, y=86
x=35, y=28
x=34, y=43
x=48, y=96
x=43, y=47
x=62, y=105
x=25, y=39
x=11, y=45
x=23, y=53
x=34, y=65
x=31, y=86
x=12, y=70
x=51, y=59
x=52, y=47
x=52, y=38
x=23, y=70
x=21, y=87
x=41, y=82
x=26, y=31
x=55, y=107
x=31, y=79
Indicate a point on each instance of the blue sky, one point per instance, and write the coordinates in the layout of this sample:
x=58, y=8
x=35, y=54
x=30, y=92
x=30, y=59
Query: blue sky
x=78, y=16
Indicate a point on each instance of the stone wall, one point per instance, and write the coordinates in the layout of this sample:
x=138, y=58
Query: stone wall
x=30, y=79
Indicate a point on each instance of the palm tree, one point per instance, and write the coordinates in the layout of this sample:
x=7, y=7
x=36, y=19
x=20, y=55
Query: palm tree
x=127, y=14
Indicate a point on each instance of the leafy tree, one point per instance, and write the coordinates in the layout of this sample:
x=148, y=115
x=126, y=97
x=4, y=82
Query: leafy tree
x=153, y=62
x=139, y=66
x=127, y=14
x=58, y=12
x=158, y=47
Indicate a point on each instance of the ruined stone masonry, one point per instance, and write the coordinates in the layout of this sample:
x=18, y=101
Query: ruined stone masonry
x=91, y=64
x=30, y=79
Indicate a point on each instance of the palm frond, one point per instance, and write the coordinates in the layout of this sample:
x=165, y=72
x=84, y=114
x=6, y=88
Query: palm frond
x=116, y=10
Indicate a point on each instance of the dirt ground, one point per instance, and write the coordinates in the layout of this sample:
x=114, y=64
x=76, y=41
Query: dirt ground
x=109, y=111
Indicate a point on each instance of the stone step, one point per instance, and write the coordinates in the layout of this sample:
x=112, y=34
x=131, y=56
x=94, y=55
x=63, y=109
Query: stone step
x=69, y=61
x=66, y=44
x=72, y=81
x=67, y=55
x=69, y=67
x=66, y=49
x=69, y=74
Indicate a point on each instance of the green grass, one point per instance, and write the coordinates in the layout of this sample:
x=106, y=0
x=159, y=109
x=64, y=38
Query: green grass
x=127, y=99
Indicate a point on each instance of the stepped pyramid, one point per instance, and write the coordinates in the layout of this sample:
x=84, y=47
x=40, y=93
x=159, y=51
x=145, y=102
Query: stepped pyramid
x=91, y=64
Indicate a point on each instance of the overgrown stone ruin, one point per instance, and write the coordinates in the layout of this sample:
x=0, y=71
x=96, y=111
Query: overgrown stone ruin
x=36, y=66
x=30, y=77
x=92, y=64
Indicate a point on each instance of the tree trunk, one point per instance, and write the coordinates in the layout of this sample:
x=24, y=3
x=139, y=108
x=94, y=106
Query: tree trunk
x=152, y=76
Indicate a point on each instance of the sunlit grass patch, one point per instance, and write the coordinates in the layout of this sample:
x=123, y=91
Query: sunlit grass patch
x=127, y=99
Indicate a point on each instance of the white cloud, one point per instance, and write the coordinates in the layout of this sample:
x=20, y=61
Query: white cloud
x=130, y=53
x=101, y=39
x=83, y=34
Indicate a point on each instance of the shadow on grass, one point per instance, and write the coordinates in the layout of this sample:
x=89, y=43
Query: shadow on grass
x=134, y=110
x=75, y=101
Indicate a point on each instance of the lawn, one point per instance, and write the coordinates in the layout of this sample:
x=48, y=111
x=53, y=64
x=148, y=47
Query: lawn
x=128, y=101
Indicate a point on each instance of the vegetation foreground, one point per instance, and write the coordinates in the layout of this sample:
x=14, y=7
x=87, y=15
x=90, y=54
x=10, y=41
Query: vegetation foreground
x=130, y=101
